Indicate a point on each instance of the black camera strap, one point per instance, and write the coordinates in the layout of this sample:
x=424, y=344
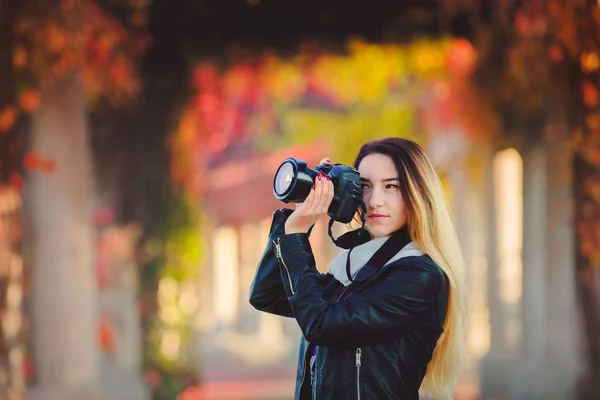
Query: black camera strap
x=353, y=238
x=396, y=242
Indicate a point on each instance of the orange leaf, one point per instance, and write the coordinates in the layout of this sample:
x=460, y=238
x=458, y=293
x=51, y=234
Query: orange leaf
x=106, y=337
x=30, y=100
x=8, y=117
x=57, y=38
x=19, y=58
x=48, y=166
x=461, y=56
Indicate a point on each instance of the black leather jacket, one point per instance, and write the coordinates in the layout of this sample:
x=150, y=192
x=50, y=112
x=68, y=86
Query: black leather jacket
x=374, y=337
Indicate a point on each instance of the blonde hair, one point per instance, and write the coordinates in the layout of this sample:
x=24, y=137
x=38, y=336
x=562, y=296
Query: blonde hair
x=431, y=228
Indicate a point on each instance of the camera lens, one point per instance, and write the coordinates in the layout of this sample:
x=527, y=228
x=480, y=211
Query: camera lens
x=284, y=178
x=292, y=181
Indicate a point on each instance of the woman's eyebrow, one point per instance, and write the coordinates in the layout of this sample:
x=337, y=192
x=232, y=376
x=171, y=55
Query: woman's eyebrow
x=383, y=180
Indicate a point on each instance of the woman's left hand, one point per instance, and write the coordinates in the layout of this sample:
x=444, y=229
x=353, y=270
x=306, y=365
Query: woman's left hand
x=314, y=207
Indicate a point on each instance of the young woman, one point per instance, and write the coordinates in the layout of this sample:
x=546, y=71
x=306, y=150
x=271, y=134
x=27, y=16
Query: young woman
x=389, y=333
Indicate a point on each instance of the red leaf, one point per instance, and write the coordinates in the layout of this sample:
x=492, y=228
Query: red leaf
x=31, y=161
x=16, y=182
x=152, y=378
x=27, y=368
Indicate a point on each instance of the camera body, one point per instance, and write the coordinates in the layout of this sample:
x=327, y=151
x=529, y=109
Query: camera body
x=294, y=180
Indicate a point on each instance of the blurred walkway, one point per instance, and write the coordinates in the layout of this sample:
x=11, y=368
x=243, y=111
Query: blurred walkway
x=268, y=385
x=247, y=384
x=267, y=389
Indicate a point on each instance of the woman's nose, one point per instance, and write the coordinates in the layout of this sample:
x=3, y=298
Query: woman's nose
x=375, y=199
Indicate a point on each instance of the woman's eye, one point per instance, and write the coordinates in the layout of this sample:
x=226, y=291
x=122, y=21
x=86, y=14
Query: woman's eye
x=392, y=186
x=364, y=186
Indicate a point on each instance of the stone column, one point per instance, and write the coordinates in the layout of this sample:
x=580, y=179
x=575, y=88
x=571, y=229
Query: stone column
x=63, y=292
x=12, y=376
x=468, y=183
x=562, y=333
x=548, y=363
x=496, y=364
x=120, y=362
x=528, y=370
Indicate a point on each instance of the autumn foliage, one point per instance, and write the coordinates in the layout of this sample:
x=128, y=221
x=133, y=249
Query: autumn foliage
x=540, y=67
x=54, y=38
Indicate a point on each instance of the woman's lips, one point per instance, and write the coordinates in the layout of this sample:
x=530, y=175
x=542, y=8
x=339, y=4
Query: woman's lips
x=377, y=217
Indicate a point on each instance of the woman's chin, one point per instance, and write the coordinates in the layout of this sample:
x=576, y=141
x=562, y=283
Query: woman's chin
x=378, y=232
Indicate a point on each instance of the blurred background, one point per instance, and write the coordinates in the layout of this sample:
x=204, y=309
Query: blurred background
x=138, y=143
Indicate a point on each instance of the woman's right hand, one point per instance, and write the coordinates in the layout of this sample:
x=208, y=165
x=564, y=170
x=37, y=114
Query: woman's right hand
x=314, y=206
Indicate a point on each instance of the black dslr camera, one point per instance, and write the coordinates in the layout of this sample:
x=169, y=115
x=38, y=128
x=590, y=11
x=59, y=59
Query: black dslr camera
x=294, y=180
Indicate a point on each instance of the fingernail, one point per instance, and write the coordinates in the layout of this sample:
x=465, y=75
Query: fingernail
x=313, y=186
x=328, y=178
x=319, y=176
x=328, y=159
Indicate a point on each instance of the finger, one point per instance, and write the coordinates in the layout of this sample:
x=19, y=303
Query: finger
x=326, y=160
x=319, y=187
x=321, y=206
x=309, y=201
x=326, y=196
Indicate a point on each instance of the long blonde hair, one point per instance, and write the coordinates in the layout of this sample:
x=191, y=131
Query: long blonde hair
x=431, y=228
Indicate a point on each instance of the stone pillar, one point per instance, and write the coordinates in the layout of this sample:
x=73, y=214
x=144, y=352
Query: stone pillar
x=527, y=372
x=119, y=317
x=12, y=377
x=470, y=210
x=562, y=333
x=548, y=363
x=496, y=364
x=63, y=287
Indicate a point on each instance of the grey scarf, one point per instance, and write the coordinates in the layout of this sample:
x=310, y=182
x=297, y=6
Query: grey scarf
x=362, y=254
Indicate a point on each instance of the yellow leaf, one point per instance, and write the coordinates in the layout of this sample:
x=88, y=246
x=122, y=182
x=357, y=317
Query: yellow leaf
x=589, y=62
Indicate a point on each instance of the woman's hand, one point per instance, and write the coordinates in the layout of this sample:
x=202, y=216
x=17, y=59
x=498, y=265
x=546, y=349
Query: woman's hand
x=314, y=207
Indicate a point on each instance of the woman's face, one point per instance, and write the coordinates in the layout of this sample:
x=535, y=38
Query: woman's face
x=386, y=210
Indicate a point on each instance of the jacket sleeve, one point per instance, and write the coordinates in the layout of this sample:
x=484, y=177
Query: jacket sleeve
x=404, y=300
x=266, y=292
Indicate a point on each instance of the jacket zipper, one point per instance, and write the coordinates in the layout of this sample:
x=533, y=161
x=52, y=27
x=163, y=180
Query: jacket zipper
x=279, y=257
x=358, y=365
x=314, y=382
